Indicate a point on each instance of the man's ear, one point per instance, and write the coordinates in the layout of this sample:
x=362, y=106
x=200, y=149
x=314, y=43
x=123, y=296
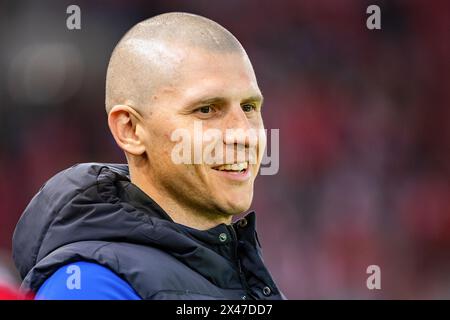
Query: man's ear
x=126, y=124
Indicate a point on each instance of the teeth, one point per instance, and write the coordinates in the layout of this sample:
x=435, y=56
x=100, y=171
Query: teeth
x=233, y=167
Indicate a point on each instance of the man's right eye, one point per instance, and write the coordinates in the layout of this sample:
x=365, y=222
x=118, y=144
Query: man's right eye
x=205, y=109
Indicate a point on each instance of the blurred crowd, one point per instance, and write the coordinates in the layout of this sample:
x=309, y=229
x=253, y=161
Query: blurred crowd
x=363, y=118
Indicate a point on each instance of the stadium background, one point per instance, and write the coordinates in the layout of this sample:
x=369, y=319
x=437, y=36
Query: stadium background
x=363, y=118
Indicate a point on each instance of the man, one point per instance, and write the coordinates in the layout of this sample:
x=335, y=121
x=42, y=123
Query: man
x=157, y=228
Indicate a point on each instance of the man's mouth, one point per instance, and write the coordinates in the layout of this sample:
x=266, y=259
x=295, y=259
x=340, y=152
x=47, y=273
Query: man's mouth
x=233, y=167
x=234, y=171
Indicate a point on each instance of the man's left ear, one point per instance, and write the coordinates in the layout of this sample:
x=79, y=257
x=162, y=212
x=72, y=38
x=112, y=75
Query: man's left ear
x=126, y=124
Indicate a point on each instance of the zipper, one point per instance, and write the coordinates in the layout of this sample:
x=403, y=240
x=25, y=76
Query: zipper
x=236, y=258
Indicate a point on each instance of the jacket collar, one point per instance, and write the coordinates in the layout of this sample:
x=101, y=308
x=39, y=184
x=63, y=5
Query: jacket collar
x=220, y=235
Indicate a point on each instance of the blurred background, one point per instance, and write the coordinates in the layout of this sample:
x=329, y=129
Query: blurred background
x=363, y=118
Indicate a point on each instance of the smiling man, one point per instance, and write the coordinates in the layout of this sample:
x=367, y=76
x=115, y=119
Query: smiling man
x=157, y=228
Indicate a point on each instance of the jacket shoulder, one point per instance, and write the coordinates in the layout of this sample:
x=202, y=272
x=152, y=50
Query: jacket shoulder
x=85, y=281
x=152, y=272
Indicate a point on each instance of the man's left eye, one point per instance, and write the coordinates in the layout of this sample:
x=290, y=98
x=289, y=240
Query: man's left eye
x=248, y=107
x=205, y=109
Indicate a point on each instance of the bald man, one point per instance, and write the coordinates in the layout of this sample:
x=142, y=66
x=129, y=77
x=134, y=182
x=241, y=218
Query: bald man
x=158, y=227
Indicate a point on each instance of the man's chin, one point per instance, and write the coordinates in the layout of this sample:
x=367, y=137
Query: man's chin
x=235, y=206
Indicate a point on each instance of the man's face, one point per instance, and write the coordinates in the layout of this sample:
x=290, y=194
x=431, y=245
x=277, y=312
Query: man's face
x=218, y=91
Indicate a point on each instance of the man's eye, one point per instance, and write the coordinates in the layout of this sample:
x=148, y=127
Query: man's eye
x=205, y=109
x=248, y=107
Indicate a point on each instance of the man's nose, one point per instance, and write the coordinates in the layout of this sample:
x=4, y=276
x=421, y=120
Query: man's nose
x=237, y=127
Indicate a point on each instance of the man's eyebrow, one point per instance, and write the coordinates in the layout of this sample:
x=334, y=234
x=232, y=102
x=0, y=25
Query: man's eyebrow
x=214, y=100
x=255, y=98
x=223, y=100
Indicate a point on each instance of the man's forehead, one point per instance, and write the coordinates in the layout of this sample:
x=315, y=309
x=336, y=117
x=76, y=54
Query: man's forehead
x=219, y=92
x=181, y=61
x=206, y=66
x=210, y=74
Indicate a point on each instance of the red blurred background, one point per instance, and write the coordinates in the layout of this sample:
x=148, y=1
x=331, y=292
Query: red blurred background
x=363, y=118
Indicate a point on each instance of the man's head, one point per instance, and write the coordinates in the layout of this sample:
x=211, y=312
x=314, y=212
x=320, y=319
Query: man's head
x=171, y=72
